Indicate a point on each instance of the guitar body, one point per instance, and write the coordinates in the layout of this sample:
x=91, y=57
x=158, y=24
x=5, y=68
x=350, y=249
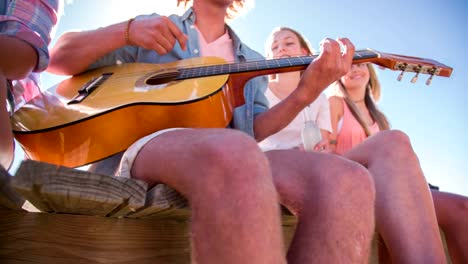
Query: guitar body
x=119, y=111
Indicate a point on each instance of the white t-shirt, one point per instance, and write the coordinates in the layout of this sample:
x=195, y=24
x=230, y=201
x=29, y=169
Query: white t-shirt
x=290, y=136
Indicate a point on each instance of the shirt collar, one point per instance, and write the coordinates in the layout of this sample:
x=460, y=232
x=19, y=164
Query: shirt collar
x=190, y=17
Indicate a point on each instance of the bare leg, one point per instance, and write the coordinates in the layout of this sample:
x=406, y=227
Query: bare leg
x=228, y=182
x=6, y=136
x=405, y=215
x=384, y=257
x=452, y=214
x=18, y=59
x=334, y=201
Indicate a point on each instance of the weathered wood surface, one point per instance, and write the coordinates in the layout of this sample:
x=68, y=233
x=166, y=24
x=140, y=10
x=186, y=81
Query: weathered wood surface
x=59, y=189
x=94, y=218
x=65, y=238
x=9, y=198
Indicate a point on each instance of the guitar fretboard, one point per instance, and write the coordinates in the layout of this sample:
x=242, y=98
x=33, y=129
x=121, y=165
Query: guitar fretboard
x=260, y=65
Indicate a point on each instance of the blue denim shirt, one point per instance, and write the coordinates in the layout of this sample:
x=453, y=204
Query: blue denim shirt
x=255, y=100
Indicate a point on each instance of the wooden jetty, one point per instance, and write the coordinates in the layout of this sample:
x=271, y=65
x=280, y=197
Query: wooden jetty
x=75, y=216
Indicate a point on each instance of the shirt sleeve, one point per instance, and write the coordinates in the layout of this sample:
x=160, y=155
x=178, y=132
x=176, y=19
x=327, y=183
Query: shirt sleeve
x=261, y=103
x=126, y=54
x=32, y=21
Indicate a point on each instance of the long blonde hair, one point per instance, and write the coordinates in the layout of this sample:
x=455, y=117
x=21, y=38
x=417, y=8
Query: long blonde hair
x=234, y=10
x=371, y=96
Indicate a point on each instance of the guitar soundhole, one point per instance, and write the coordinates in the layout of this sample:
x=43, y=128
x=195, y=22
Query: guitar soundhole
x=163, y=77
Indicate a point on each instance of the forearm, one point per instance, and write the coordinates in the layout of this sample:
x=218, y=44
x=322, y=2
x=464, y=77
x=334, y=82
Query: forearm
x=6, y=136
x=284, y=112
x=18, y=58
x=75, y=51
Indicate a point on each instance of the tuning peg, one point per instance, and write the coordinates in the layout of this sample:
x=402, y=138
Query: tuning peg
x=400, y=76
x=429, y=81
x=417, y=70
x=402, y=67
x=415, y=78
x=432, y=72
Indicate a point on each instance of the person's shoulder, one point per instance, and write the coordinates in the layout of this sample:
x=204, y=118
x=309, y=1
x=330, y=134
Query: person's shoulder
x=335, y=99
x=336, y=102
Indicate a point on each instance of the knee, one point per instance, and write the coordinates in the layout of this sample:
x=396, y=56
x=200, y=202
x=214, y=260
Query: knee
x=393, y=149
x=393, y=142
x=230, y=149
x=348, y=190
x=357, y=183
x=351, y=181
x=461, y=209
x=452, y=211
x=233, y=161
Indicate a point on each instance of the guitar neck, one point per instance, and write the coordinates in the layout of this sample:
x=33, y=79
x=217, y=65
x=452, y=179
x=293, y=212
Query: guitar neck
x=240, y=73
x=265, y=67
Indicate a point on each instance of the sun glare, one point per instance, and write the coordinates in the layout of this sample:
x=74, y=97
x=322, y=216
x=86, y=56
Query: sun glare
x=123, y=9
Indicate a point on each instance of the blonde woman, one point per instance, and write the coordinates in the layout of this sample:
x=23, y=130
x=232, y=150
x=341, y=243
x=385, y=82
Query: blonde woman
x=393, y=165
x=355, y=117
x=286, y=42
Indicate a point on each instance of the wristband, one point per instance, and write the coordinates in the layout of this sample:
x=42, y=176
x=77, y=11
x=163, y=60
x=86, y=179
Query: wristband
x=127, y=32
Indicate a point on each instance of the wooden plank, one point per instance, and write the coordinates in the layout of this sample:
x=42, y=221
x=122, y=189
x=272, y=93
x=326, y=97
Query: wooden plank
x=53, y=188
x=162, y=199
x=62, y=238
x=9, y=198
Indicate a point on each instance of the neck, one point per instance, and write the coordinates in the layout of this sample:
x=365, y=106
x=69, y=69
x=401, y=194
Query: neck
x=356, y=95
x=210, y=19
x=284, y=84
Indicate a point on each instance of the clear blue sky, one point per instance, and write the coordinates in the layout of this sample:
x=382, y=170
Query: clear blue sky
x=433, y=116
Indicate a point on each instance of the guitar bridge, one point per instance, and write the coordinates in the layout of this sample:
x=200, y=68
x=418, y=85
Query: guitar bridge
x=89, y=87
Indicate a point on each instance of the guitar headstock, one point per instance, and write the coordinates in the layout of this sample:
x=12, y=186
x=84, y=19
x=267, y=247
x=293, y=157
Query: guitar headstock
x=407, y=64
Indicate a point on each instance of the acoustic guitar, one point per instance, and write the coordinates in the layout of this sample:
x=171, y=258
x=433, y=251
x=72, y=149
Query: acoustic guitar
x=94, y=115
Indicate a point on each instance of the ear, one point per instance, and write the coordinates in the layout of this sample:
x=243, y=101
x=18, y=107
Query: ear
x=305, y=52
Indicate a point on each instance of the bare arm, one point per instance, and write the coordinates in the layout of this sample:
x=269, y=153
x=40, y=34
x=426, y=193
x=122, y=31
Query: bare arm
x=6, y=136
x=336, y=112
x=18, y=59
x=327, y=68
x=75, y=51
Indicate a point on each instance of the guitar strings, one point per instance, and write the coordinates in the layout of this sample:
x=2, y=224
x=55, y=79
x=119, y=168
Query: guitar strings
x=202, y=69
x=212, y=69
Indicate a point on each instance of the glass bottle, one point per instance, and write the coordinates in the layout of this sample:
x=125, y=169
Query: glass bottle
x=310, y=133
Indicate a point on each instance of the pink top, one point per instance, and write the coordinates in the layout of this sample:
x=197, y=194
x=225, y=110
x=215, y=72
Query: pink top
x=351, y=132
